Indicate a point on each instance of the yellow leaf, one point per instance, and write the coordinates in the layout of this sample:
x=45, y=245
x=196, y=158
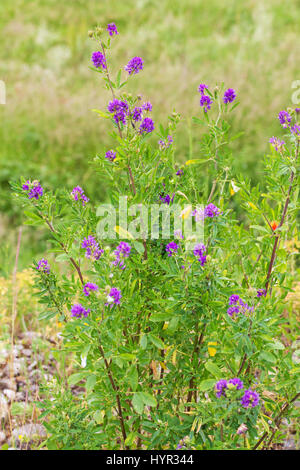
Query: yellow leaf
x=212, y=351
x=122, y=232
x=186, y=212
x=174, y=357
x=252, y=205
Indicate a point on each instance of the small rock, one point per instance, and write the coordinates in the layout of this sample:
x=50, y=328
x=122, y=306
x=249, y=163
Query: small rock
x=7, y=383
x=2, y=437
x=289, y=444
x=11, y=395
x=27, y=352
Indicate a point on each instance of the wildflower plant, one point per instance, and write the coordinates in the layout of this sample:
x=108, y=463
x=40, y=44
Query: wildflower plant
x=141, y=316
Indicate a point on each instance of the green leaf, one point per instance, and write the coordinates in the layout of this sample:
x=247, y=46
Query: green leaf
x=138, y=403
x=206, y=385
x=213, y=369
x=267, y=356
x=90, y=383
x=148, y=399
x=157, y=342
x=75, y=378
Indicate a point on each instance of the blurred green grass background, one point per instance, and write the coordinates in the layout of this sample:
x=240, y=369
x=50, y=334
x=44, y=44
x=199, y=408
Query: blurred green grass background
x=48, y=131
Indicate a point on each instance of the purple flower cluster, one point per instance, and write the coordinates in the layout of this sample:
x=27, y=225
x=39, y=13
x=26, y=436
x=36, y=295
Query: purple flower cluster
x=223, y=385
x=114, y=297
x=43, y=266
x=261, y=293
x=296, y=129
x=120, y=110
x=229, y=96
x=122, y=251
x=250, y=398
x=99, y=60
x=237, y=305
x=202, y=87
x=165, y=144
x=92, y=248
x=110, y=155
x=137, y=114
x=276, y=143
x=166, y=198
x=34, y=188
x=199, y=251
x=220, y=388
x=78, y=311
x=171, y=248
x=206, y=102
x=209, y=211
x=284, y=118
x=134, y=65
x=147, y=126
x=78, y=194
x=147, y=106
x=112, y=29
x=88, y=287
x=179, y=172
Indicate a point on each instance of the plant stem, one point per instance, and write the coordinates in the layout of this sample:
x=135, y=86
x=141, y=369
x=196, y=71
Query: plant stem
x=116, y=390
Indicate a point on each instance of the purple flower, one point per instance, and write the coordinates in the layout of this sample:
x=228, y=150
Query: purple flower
x=242, y=429
x=237, y=305
x=147, y=106
x=112, y=29
x=297, y=110
x=237, y=383
x=206, y=102
x=117, y=105
x=78, y=194
x=171, y=248
x=92, y=248
x=120, y=110
x=295, y=129
x=113, y=297
x=98, y=60
x=199, y=251
x=137, y=114
x=232, y=310
x=166, y=198
x=284, y=118
x=122, y=251
x=211, y=211
x=34, y=188
x=88, y=287
x=250, y=398
x=233, y=299
x=147, y=126
x=43, y=266
x=261, y=293
x=134, y=65
x=202, y=87
x=220, y=388
x=164, y=144
x=110, y=155
x=229, y=96
x=79, y=311
x=276, y=143
x=179, y=172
